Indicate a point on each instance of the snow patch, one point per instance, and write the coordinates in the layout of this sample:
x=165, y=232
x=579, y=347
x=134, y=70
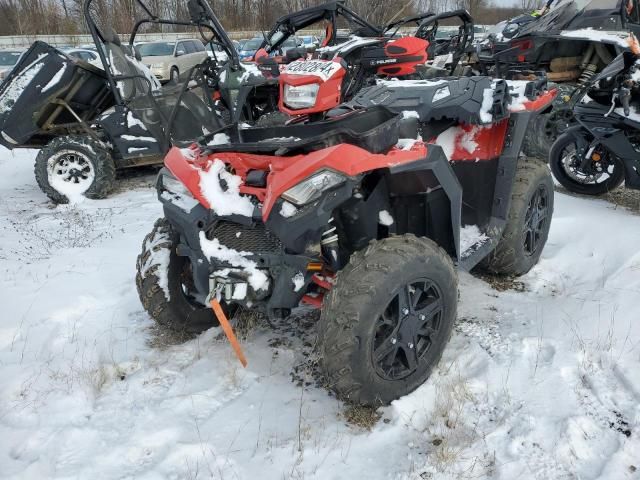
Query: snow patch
x=219, y=139
x=214, y=249
x=135, y=138
x=134, y=122
x=288, y=209
x=406, y=143
x=55, y=79
x=298, y=281
x=410, y=114
x=589, y=34
x=385, y=218
x=469, y=236
x=224, y=200
x=487, y=104
x=19, y=83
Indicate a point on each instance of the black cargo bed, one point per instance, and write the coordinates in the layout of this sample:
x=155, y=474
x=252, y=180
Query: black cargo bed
x=49, y=94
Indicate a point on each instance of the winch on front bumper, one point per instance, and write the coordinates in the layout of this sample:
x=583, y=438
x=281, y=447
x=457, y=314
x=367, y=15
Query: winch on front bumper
x=236, y=258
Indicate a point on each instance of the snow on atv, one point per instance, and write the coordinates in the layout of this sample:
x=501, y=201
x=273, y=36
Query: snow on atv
x=355, y=216
x=571, y=43
x=90, y=122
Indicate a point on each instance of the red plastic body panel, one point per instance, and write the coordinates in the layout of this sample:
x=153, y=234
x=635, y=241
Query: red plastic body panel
x=285, y=172
x=329, y=91
x=473, y=143
x=409, y=51
x=541, y=102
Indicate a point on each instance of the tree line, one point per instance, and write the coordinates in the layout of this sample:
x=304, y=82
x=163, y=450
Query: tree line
x=51, y=17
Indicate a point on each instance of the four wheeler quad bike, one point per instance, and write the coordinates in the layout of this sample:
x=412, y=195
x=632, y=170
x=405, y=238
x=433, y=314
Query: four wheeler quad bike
x=357, y=217
x=90, y=122
x=603, y=149
x=571, y=43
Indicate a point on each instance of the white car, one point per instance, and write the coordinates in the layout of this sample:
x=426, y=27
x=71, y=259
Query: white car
x=89, y=56
x=8, y=60
x=167, y=60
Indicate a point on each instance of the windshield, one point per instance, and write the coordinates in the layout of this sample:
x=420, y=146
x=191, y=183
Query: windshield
x=307, y=40
x=289, y=43
x=252, y=44
x=156, y=49
x=9, y=59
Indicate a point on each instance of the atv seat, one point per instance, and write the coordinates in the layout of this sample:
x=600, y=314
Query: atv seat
x=374, y=129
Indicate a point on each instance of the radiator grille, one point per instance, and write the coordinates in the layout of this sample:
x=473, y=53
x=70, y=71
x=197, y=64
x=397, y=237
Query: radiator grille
x=256, y=239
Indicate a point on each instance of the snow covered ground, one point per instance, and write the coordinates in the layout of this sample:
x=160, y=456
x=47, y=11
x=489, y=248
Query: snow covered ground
x=540, y=381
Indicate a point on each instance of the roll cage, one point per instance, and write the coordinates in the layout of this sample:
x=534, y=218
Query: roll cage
x=108, y=42
x=288, y=25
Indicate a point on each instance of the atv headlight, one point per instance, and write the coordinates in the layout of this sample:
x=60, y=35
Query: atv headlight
x=310, y=189
x=303, y=96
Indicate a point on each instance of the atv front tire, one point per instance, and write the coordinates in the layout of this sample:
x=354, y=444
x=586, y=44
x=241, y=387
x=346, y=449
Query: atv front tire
x=528, y=222
x=163, y=280
x=386, y=321
x=73, y=166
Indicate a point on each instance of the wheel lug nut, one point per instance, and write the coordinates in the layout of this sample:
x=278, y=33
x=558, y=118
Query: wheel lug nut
x=405, y=310
x=422, y=317
x=393, y=341
x=411, y=345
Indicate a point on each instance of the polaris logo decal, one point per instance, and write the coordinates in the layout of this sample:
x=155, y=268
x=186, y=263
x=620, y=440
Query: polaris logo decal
x=320, y=68
x=384, y=61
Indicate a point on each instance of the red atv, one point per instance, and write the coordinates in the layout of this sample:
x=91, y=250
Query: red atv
x=347, y=216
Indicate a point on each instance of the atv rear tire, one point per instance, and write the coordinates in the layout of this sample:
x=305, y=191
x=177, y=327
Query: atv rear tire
x=160, y=279
x=546, y=127
x=528, y=222
x=373, y=348
x=75, y=165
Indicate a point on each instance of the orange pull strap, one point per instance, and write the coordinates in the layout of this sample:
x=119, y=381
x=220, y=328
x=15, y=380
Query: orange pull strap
x=228, y=330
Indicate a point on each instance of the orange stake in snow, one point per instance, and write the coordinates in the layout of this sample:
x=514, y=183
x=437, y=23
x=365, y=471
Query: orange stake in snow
x=228, y=330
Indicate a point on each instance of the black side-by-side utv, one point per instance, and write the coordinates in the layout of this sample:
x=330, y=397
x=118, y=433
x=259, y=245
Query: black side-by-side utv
x=89, y=122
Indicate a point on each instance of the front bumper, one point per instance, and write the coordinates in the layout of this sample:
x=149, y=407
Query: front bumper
x=212, y=276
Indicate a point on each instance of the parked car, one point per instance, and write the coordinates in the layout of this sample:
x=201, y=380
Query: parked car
x=249, y=48
x=290, y=43
x=89, y=56
x=310, y=41
x=8, y=59
x=167, y=60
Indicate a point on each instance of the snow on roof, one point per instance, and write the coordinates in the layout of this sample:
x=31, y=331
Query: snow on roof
x=593, y=35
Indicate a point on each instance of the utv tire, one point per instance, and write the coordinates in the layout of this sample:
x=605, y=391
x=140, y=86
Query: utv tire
x=373, y=348
x=161, y=270
x=528, y=222
x=556, y=162
x=75, y=165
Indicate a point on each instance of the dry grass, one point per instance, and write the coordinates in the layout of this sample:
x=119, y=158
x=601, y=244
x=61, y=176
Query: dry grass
x=362, y=416
x=500, y=282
